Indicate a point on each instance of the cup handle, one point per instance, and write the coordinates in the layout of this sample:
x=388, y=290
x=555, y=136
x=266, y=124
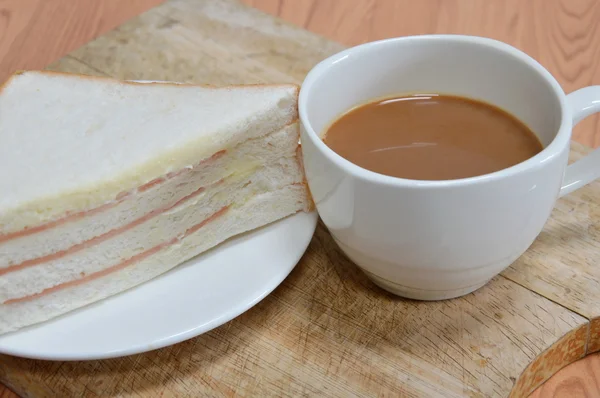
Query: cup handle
x=583, y=103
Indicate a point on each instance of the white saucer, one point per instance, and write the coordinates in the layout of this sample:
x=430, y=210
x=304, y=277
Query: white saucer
x=191, y=299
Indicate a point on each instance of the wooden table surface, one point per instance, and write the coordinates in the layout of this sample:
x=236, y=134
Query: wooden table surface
x=562, y=35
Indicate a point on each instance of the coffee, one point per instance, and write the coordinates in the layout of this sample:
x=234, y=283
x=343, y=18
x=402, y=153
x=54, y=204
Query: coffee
x=431, y=137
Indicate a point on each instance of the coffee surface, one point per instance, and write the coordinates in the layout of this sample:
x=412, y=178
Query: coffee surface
x=431, y=137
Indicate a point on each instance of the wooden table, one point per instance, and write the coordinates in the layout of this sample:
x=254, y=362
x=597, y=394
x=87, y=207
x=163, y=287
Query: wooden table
x=327, y=330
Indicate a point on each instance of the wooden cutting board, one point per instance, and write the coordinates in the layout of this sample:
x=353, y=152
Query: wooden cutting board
x=327, y=330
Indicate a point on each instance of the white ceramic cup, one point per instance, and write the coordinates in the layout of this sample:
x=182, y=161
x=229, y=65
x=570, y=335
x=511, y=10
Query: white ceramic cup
x=434, y=240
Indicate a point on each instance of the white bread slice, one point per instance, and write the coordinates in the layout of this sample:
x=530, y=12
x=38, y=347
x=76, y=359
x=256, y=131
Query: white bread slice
x=260, y=210
x=123, y=135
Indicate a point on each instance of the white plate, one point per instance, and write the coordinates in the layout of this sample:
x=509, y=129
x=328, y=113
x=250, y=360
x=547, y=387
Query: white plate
x=191, y=299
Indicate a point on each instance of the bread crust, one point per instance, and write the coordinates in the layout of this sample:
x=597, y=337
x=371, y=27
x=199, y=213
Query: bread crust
x=137, y=82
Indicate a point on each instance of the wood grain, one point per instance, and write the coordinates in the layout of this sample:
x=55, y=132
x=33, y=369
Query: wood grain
x=563, y=35
x=34, y=33
x=561, y=263
x=578, y=380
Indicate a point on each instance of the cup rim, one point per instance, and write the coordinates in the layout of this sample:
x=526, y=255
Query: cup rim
x=552, y=150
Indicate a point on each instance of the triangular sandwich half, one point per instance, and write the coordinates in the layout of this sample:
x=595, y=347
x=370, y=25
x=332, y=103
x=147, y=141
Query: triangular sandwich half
x=106, y=184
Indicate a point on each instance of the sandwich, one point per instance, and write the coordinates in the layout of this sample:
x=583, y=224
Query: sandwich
x=105, y=185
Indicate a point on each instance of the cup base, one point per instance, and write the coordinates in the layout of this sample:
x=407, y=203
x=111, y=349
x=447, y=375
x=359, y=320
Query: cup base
x=421, y=294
